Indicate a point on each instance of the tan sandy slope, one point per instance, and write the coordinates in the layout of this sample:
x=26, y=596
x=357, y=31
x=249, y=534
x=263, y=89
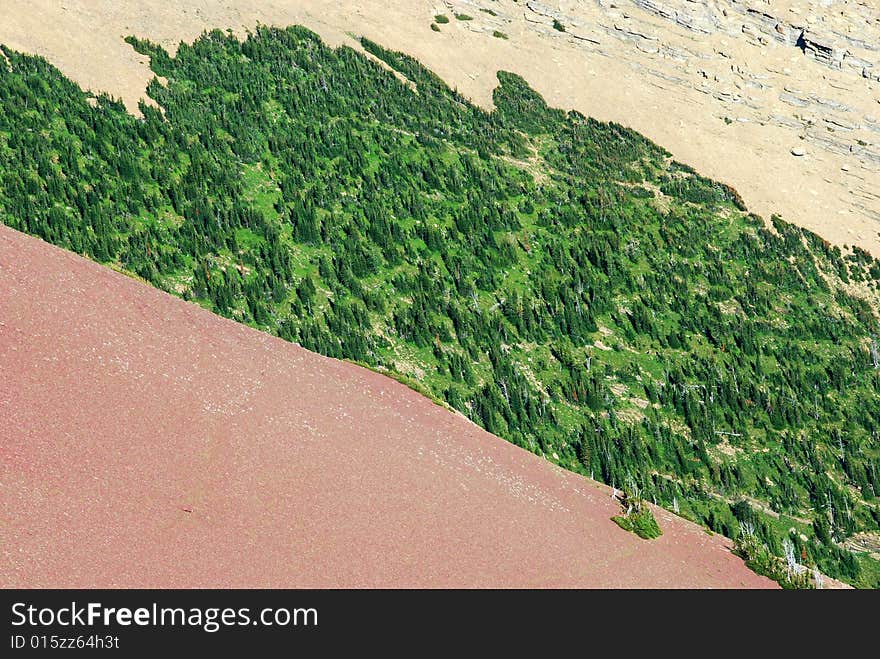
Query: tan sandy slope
x=779, y=98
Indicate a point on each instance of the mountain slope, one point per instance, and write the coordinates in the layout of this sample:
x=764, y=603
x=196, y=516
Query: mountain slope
x=731, y=87
x=149, y=443
x=560, y=281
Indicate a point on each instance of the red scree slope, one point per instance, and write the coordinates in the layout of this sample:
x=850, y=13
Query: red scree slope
x=145, y=442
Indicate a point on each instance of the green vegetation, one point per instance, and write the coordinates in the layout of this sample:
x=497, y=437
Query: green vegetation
x=442, y=19
x=641, y=523
x=463, y=17
x=637, y=516
x=869, y=572
x=558, y=26
x=435, y=27
x=498, y=34
x=559, y=280
x=788, y=573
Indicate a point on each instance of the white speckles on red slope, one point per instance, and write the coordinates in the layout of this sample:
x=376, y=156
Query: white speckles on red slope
x=145, y=442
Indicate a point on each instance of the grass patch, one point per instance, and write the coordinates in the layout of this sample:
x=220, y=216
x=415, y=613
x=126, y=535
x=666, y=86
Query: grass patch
x=869, y=572
x=761, y=560
x=407, y=380
x=641, y=523
x=463, y=17
x=499, y=35
x=442, y=19
x=637, y=517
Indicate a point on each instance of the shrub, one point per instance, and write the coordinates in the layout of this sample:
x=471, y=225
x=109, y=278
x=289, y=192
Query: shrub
x=499, y=35
x=435, y=27
x=463, y=17
x=641, y=523
x=637, y=517
x=442, y=19
x=558, y=26
x=761, y=560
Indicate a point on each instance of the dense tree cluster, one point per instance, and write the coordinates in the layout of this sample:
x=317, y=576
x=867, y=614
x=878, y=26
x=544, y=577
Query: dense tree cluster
x=559, y=280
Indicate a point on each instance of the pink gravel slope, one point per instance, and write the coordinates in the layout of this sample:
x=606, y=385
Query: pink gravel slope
x=145, y=442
